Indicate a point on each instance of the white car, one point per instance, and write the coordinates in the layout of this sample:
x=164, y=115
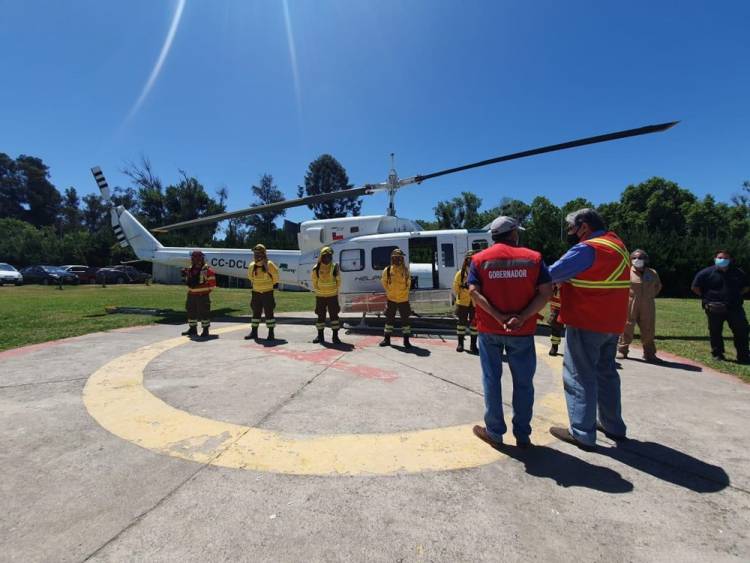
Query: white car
x=8, y=274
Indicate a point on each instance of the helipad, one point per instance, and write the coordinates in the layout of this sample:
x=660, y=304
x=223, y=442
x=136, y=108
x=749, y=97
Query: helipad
x=140, y=444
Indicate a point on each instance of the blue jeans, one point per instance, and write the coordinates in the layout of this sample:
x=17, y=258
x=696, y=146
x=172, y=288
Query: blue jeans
x=522, y=361
x=590, y=380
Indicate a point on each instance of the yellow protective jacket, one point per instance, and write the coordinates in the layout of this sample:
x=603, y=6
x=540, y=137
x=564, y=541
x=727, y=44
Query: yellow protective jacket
x=263, y=279
x=396, y=282
x=462, y=293
x=326, y=279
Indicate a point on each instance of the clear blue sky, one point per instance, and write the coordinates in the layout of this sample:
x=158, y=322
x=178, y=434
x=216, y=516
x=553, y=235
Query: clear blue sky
x=245, y=90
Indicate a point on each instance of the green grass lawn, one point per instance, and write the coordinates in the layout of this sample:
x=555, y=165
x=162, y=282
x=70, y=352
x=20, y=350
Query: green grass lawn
x=32, y=314
x=681, y=329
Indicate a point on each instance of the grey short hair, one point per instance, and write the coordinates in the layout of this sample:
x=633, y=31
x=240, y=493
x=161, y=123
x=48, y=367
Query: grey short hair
x=588, y=216
x=639, y=251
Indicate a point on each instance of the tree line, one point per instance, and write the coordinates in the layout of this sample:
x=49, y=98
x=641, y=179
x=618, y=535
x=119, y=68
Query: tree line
x=679, y=231
x=40, y=224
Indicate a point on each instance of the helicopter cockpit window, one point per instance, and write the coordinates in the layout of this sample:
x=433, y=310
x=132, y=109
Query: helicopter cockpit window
x=381, y=257
x=352, y=260
x=479, y=244
x=446, y=250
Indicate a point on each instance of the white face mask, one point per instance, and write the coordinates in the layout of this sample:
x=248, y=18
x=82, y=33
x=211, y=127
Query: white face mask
x=639, y=263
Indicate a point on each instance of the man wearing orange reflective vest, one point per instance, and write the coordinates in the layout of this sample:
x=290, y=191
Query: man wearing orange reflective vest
x=594, y=309
x=200, y=280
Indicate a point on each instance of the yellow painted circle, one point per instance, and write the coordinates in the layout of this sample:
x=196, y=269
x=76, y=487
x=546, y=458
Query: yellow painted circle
x=117, y=399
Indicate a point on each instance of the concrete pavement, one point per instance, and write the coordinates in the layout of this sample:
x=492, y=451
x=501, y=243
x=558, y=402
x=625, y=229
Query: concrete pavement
x=138, y=445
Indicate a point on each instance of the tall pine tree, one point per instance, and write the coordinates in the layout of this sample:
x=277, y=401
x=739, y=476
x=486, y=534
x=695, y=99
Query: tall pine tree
x=325, y=175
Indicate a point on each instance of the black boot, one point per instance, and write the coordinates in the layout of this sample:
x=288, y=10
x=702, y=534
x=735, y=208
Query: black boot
x=460, y=347
x=553, y=350
x=474, y=349
x=386, y=340
x=336, y=339
x=407, y=344
x=270, y=335
x=192, y=331
x=320, y=339
x=253, y=334
x=204, y=333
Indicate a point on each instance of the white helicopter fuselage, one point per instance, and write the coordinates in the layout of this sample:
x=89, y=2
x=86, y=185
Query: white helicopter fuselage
x=362, y=247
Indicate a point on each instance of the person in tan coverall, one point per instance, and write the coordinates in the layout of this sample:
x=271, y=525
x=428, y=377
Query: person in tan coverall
x=645, y=285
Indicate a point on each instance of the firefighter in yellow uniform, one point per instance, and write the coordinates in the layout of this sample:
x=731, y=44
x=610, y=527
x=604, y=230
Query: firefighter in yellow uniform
x=264, y=275
x=396, y=281
x=465, y=307
x=555, y=327
x=200, y=280
x=326, y=282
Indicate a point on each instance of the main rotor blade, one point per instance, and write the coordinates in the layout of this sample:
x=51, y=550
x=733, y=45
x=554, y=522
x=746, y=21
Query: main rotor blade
x=551, y=148
x=309, y=200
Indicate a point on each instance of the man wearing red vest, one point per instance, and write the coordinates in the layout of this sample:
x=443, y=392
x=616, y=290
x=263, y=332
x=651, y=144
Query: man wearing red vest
x=596, y=272
x=509, y=285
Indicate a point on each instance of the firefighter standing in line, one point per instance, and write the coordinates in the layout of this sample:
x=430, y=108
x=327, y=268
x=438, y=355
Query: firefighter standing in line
x=396, y=281
x=264, y=275
x=200, y=280
x=326, y=282
x=465, y=307
x=555, y=326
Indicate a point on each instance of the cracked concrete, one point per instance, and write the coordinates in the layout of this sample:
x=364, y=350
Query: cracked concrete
x=73, y=491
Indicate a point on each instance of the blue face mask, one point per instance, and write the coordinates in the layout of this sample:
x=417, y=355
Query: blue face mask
x=722, y=262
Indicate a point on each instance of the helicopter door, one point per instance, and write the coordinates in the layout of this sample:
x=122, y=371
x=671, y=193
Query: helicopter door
x=450, y=254
x=423, y=262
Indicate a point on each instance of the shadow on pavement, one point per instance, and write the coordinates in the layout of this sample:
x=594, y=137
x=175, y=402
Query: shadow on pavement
x=670, y=465
x=271, y=343
x=416, y=350
x=668, y=364
x=343, y=346
x=567, y=470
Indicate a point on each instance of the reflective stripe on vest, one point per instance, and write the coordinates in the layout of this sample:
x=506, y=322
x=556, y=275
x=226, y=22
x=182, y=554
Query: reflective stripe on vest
x=612, y=280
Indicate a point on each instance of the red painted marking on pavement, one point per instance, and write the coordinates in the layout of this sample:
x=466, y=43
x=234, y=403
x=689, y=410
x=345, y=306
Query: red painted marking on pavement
x=323, y=356
x=327, y=356
x=367, y=372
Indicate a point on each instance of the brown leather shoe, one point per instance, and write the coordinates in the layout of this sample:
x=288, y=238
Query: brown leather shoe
x=481, y=433
x=564, y=434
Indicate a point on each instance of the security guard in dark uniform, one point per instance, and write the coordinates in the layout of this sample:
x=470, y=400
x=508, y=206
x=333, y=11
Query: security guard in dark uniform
x=722, y=288
x=200, y=280
x=264, y=275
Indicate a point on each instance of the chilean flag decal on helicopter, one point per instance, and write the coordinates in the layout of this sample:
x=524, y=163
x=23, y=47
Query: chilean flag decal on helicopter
x=337, y=234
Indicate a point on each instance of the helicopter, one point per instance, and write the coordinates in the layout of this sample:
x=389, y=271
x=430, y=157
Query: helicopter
x=362, y=245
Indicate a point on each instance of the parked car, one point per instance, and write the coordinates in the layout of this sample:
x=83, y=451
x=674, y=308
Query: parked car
x=8, y=274
x=48, y=275
x=85, y=274
x=121, y=274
